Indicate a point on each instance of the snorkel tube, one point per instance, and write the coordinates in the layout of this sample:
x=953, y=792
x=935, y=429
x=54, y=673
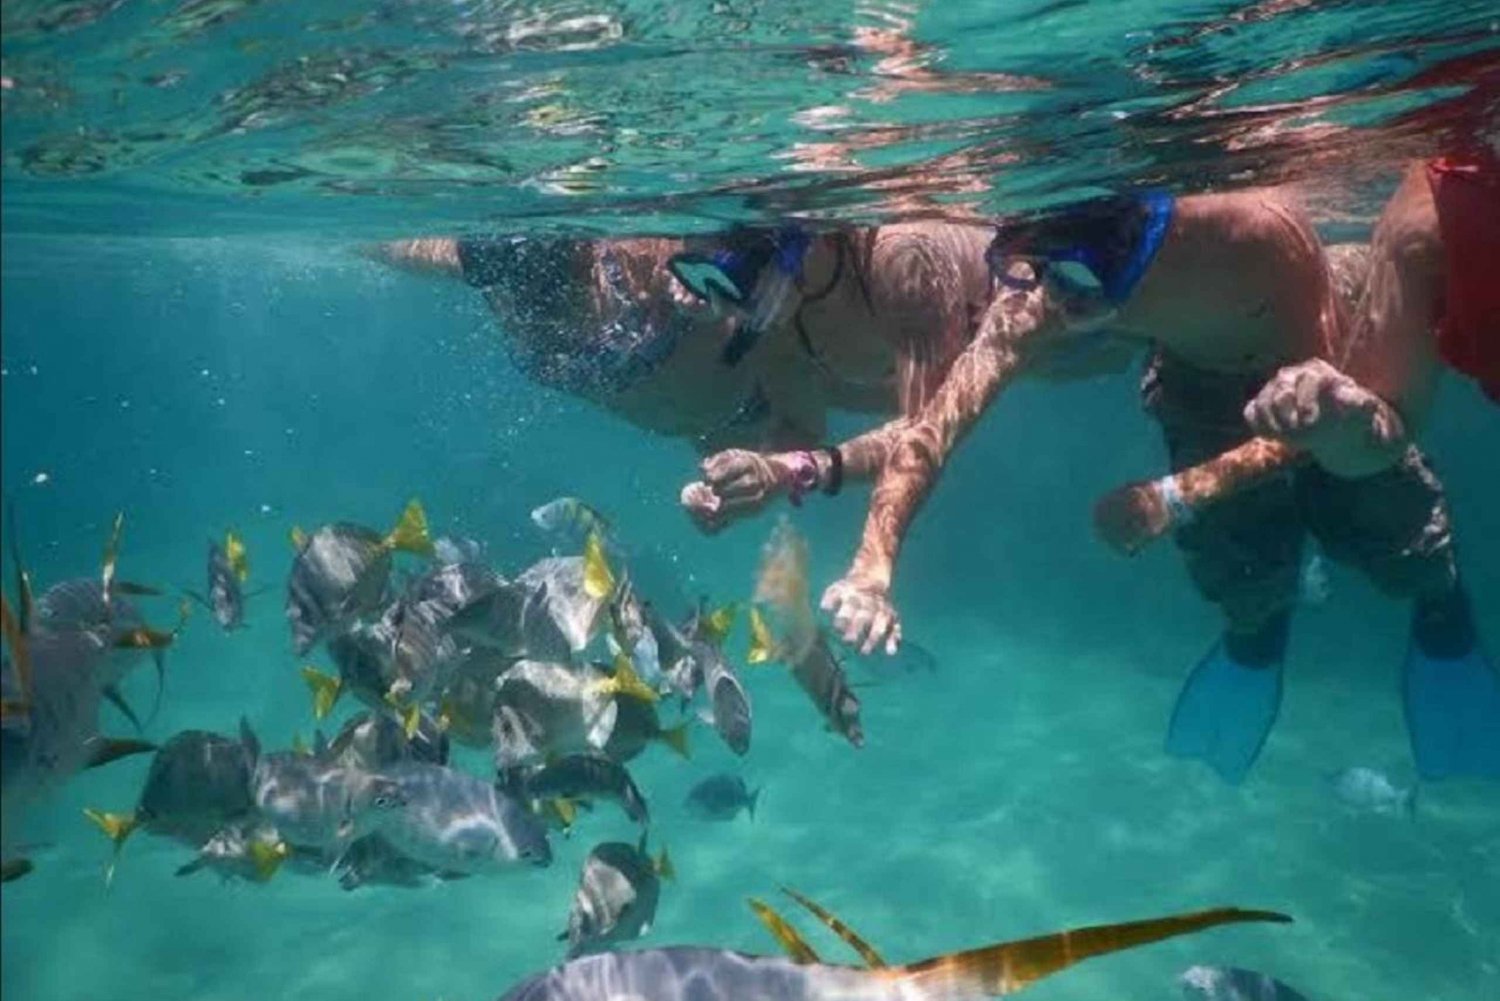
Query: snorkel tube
x=789, y=252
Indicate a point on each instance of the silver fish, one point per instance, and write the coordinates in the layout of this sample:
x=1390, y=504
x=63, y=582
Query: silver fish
x=226, y=599
x=373, y=740
x=692, y=973
x=449, y=549
x=637, y=724
x=543, y=709
x=1373, y=792
x=729, y=703
x=251, y=850
x=340, y=573
x=721, y=797
x=515, y=620
x=456, y=823
x=312, y=801
x=588, y=776
x=616, y=897
x=824, y=681
x=198, y=783
x=630, y=634
x=576, y=614
x=371, y=861
x=1225, y=983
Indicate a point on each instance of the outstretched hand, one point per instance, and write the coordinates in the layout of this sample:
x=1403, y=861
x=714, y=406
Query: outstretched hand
x=863, y=615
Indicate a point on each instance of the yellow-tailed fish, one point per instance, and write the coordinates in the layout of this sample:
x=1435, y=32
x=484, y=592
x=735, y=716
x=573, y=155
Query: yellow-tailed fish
x=267, y=857
x=663, y=865
x=598, y=578
x=410, y=534
x=626, y=682
x=234, y=552
x=298, y=537
x=325, y=690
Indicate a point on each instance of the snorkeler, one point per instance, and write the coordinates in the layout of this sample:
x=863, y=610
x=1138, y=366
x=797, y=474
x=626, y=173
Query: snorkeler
x=1229, y=288
x=742, y=338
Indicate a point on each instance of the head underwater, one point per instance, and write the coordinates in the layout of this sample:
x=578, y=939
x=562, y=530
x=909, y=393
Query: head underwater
x=738, y=274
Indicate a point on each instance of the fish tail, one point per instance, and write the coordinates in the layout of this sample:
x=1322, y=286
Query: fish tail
x=325, y=690
x=720, y=623
x=234, y=552
x=663, y=865
x=1009, y=966
x=117, y=827
x=626, y=682
x=20, y=652
x=14, y=868
x=598, y=578
x=410, y=534
x=298, y=537
x=763, y=647
x=676, y=738
x=267, y=857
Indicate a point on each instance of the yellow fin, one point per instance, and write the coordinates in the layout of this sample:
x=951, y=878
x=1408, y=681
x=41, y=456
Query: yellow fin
x=1009, y=966
x=785, y=935
x=410, y=534
x=676, y=737
x=116, y=827
x=267, y=857
x=866, y=951
x=299, y=746
x=664, y=867
x=299, y=538
x=626, y=682
x=719, y=623
x=411, y=718
x=20, y=652
x=762, y=643
x=144, y=638
x=598, y=578
x=325, y=690
x=564, y=809
x=234, y=552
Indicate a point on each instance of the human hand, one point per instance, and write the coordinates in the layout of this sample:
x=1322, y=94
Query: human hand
x=863, y=615
x=741, y=482
x=703, y=506
x=1344, y=426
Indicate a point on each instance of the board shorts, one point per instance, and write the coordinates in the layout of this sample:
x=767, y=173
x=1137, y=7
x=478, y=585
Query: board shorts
x=1245, y=553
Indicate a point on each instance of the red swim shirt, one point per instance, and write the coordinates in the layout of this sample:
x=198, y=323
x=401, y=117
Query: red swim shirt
x=1466, y=190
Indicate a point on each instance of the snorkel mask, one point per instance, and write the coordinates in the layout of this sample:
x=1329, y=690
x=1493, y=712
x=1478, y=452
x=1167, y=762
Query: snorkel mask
x=740, y=276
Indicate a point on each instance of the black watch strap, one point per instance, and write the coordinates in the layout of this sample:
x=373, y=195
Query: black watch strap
x=835, y=471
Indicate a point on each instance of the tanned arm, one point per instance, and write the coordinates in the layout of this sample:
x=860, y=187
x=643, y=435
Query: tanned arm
x=860, y=603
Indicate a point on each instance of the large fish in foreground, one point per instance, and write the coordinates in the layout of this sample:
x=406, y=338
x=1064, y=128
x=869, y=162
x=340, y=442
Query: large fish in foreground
x=1226, y=983
x=691, y=973
x=341, y=572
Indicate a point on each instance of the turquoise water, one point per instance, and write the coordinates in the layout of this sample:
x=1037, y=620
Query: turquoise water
x=202, y=356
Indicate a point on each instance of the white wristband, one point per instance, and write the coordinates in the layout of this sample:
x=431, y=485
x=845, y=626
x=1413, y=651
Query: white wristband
x=1178, y=511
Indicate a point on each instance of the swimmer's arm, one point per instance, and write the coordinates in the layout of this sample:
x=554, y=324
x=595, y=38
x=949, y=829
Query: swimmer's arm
x=429, y=255
x=1346, y=427
x=913, y=460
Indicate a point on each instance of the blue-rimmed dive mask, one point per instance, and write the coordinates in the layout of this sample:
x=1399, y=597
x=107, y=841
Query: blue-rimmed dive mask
x=756, y=280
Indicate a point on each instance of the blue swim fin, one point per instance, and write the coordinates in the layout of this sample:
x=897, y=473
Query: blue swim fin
x=1451, y=691
x=1225, y=712
x=1452, y=714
